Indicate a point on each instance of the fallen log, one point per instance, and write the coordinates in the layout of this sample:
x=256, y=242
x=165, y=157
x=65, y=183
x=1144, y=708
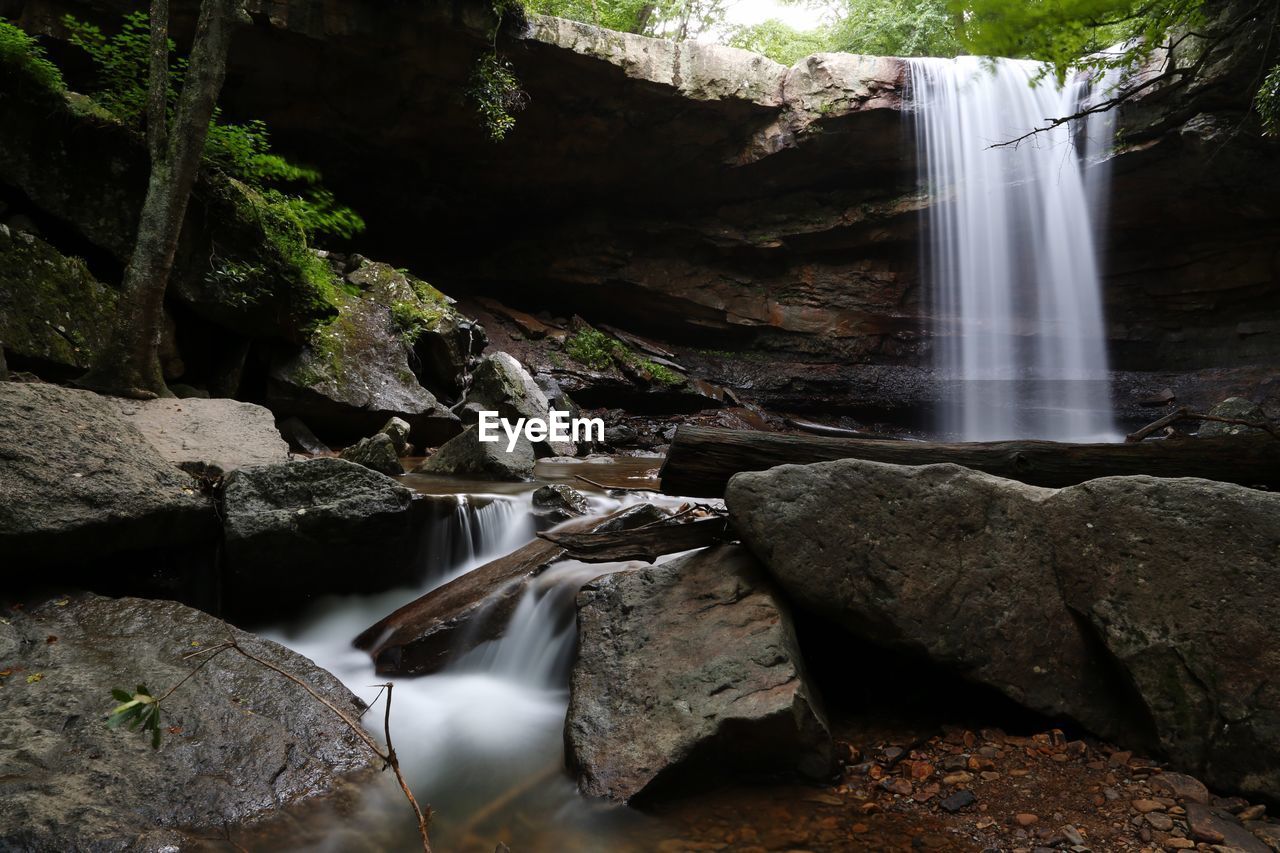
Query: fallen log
x=702, y=459
x=645, y=543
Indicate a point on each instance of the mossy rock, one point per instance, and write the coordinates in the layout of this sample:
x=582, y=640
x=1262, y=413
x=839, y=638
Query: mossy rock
x=53, y=312
x=241, y=263
x=357, y=370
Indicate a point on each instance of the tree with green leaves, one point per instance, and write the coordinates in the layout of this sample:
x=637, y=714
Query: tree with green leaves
x=129, y=363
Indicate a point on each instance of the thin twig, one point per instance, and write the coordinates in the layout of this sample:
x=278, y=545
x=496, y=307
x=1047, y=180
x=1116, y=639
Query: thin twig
x=424, y=819
x=614, y=488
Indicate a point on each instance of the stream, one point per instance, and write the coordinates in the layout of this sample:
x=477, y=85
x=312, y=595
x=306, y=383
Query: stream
x=482, y=740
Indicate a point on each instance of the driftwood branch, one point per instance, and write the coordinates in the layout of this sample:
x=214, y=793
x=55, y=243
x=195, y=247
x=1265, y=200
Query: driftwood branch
x=1185, y=414
x=643, y=543
x=702, y=459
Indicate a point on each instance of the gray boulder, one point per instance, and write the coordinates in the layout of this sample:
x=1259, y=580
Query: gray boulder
x=1233, y=407
x=466, y=454
x=559, y=502
x=358, y=370
x=1180, y=581
x=377, y=453
x=79, y=482
x=398, y=430
x=685, y=667
x=207, y=436
x=301, y=438
x=245, y=743
x=938, y=561
x=502, y=384
x=315, y=527
x=1142, y=607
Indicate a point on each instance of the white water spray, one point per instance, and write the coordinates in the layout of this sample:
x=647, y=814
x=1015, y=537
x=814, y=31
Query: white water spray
x=1012, y=250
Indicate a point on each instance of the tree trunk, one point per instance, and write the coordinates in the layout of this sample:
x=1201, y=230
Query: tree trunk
x=129, y=363
x=701, y=459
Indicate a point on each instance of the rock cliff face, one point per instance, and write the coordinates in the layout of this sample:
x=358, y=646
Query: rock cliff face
x=723, y=202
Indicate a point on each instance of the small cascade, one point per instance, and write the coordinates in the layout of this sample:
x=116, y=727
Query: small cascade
x=466, y=530
x=1012, y=249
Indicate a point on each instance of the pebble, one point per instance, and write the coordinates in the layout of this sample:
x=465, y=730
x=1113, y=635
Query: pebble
x=1179, y=844
x=1145, y=806
x=1026, y=819
x=958, y=801
x=1252, y=813
x=1181, y=786
x=898, y=786
x=1164, y=823
x=957, y=778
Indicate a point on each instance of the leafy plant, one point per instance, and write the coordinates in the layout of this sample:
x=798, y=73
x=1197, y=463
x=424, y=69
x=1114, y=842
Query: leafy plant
x=1268, y=103
x=240, y=150
x=137, y=711
x=24, y=54
x=496, y=92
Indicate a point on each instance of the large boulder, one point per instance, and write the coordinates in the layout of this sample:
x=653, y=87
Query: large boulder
x=501, y=384
x=53, y=312
x=356, y=372
x=79, y=482
x=684, y=667
x=1180, y=581
x=239, y=743
x=427, y=633
x=466, y=454
x=315, y=527
x=207, y=436
x=938, y=561
x=1142, y=607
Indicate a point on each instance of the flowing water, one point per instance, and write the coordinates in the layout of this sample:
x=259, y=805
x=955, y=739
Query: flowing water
x=482, y=741
x=1012, y=249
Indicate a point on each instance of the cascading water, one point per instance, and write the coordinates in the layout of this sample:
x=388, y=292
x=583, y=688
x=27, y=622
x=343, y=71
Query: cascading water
x=1012, y=250
x=482, y=740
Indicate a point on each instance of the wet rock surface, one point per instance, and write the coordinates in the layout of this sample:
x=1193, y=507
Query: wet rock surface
x=240, y=743
x=338, y=525
x=52, y=310
x=502, y=384
x=355, y=372
x=207, y=436
x=377, y=453
x=685, y=665
x=467, y=454
x=1193, y=652
x=79, y=481
x=936, y=560
x=558, y=502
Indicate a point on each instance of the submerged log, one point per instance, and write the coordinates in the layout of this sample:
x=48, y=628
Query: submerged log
x=646, y=543
x=702, y=459
x=426, y=633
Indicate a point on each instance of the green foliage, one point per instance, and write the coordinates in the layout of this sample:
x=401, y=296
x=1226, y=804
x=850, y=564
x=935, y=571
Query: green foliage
x=1072, y=34
x=497, y=95
x=22, y=54
x=780, y=42
x=1268, y=103
x=673, y=19
x=896, y=28
x=592, y=348
x=242, y=151
x=138, y=711
x=419, y=314
x=596, y=349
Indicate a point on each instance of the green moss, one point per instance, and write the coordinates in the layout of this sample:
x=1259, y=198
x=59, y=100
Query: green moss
x=421, y=312
x=592, y=348
x=662, y=374
x=596, y=349
x=282, y=255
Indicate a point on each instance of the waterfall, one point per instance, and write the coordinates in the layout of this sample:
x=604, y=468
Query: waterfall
x=1011, y=250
